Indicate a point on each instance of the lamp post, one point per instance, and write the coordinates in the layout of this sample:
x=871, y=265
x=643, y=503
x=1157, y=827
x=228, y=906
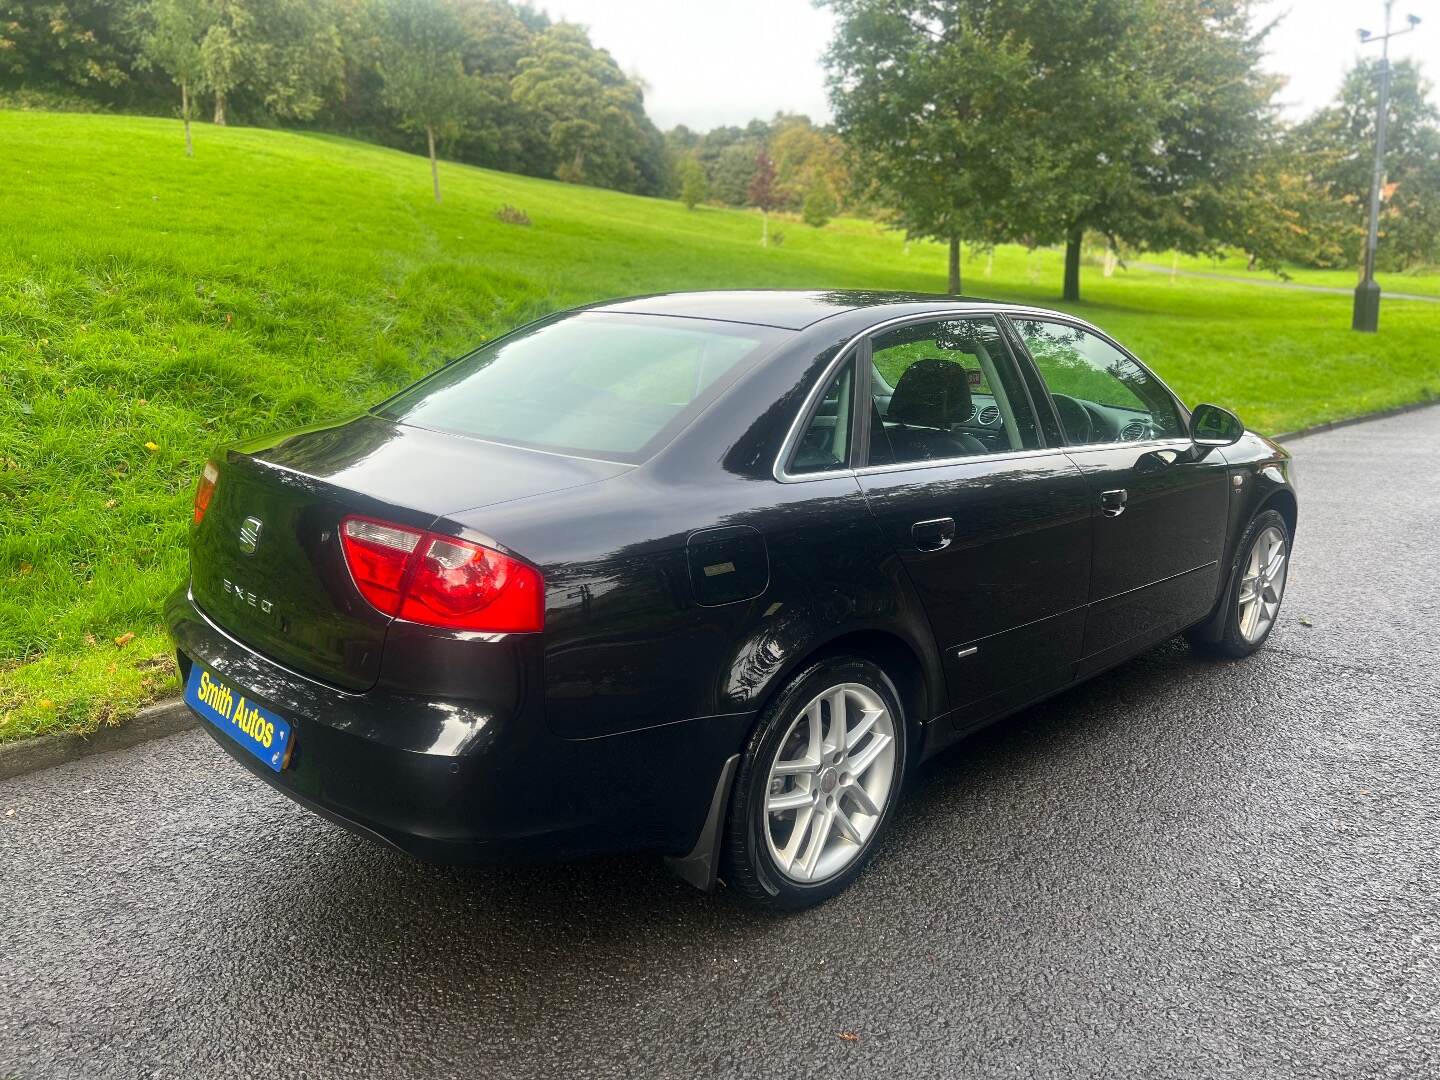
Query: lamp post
x=1367, y=293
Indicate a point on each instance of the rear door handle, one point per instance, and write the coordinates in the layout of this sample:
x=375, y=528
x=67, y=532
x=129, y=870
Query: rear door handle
x=933, y=535
x=1112, y=503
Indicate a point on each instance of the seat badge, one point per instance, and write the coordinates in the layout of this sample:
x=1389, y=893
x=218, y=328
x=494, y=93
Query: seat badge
x=250, y=534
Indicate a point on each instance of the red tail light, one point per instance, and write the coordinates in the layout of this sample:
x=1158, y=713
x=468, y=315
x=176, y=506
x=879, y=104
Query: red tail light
x=205, y=490
x=438, y=580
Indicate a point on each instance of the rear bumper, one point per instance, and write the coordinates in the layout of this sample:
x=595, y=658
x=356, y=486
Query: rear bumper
x=472, y=778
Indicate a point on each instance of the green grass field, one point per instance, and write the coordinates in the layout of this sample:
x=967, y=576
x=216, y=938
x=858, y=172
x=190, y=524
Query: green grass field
x=153, y=308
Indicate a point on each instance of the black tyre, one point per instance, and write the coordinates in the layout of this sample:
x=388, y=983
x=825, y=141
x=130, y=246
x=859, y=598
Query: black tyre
x=1251, y=604
x=817, y=786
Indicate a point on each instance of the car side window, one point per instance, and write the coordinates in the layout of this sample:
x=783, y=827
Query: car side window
x=825, y=445
x=946, y=389
x=1102, y=395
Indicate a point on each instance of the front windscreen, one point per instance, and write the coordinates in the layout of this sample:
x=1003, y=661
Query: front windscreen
x=605, y=384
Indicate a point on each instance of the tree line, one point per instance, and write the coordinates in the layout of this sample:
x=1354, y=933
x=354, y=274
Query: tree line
x=1148, y=124
x=489, y=82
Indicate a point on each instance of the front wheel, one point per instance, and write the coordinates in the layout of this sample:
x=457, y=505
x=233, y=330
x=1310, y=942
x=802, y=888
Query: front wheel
x=817, y=786
x=1257, y=587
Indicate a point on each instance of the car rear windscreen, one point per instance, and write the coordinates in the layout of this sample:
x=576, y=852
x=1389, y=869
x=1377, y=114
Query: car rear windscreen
x=594, y=383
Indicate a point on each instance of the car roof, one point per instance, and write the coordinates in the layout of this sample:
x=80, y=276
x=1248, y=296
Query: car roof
x=788, y=309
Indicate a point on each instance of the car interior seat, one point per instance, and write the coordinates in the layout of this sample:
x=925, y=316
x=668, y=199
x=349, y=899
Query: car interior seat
x=930, y=397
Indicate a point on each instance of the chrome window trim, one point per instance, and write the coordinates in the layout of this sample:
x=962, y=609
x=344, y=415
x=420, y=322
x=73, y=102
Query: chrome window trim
x=968, y=459
x=847, y=352
x=975, y=459
x=1168, y=442
x=1002, y=312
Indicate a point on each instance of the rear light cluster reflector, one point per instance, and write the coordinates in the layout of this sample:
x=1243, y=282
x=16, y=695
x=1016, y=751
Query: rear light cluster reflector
x=205, y=490
x=439, y=580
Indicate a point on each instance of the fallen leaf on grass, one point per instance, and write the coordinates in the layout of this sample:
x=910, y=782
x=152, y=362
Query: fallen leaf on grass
x=46, y=703
x=125, y=639
x=25, y=568
x=848, y=1036
x=152, y=446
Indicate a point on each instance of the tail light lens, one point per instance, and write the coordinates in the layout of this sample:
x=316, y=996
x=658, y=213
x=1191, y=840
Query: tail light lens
x=205, y=490
x=442, y=581
x=378, y=556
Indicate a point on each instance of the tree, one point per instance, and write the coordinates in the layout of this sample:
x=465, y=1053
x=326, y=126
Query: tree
x=1290, y=217
x=761, y=192
x=819, y=204
x=224, y=57
x=286, y=53
x=69, y=44
x=922, y=92
x=733, y=168
x=806, y=155
x=1337, y=144
x=424, y=76
x=592, y=114
x=171, y=41
x=1035, y=120
x=693, y=185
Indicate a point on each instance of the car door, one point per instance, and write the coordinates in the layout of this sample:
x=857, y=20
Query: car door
x=1160, y=504
x=992, y=526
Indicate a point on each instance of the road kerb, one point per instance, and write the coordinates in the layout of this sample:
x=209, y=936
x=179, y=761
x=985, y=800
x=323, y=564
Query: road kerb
x=152, y=722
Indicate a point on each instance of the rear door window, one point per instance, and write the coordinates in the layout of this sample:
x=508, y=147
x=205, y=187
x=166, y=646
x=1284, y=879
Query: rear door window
x=825, y=444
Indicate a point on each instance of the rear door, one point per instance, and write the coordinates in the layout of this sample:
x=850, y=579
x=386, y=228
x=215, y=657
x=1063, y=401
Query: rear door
x=992, y=525
x=1160, y=509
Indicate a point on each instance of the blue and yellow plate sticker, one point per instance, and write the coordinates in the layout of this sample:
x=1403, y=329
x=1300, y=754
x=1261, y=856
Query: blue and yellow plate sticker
x=257, y=729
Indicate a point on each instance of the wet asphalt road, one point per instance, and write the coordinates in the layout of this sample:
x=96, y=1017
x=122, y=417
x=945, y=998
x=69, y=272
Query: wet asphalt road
x=1185, y=868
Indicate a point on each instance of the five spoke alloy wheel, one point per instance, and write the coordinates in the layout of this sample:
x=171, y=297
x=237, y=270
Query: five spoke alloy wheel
x=817, y=785
x=1262, y=584
x=829, y=782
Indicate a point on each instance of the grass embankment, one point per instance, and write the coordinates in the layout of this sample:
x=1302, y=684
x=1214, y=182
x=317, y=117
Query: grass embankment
x=154, y=307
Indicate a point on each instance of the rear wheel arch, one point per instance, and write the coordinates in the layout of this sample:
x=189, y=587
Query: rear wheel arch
x=888, y=651
x=898, y=659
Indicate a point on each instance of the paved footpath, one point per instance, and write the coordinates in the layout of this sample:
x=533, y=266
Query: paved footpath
x=1280, y=283
x=1186, y=869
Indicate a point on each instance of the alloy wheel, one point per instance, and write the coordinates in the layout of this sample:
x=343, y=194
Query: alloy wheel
x=830, y=782
x=1262, y=585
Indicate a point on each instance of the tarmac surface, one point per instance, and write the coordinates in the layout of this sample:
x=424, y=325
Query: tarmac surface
x=1184, y=868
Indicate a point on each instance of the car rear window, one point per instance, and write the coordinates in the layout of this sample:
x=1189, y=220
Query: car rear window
x=603, y=384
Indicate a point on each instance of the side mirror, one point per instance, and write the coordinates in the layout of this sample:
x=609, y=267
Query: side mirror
x=1210, y=425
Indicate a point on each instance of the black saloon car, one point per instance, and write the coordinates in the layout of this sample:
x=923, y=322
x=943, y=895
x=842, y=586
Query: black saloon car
x=707, y=574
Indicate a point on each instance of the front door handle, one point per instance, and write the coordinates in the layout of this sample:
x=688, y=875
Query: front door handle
x=1112, y=503
x=933, y=535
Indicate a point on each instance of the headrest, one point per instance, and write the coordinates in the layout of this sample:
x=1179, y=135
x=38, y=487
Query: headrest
x=931, y=393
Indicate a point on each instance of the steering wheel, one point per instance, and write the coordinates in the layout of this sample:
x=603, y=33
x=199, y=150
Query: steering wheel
x=1074, y=417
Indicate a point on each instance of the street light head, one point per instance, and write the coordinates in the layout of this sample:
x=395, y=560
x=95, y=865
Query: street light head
x=1413, y=20
x=1364, y=35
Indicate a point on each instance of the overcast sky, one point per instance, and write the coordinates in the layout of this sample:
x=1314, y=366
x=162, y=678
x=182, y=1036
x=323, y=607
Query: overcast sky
x=710, y=64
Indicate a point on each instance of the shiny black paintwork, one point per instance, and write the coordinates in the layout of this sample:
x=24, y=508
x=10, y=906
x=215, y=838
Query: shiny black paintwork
x=609, y=730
